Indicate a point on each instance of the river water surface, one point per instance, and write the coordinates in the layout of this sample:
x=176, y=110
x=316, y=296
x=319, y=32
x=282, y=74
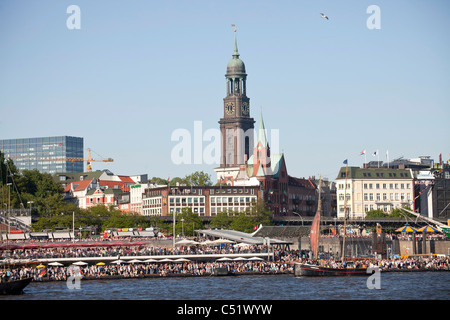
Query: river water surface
x=393, y=286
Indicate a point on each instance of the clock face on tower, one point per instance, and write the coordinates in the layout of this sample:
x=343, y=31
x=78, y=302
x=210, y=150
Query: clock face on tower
x=245, y=108
x=229, y=108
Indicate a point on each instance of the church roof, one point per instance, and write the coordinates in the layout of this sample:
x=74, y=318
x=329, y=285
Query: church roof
x=235, y=66
x=262, y=139
x=275, y=164
x=260, y=172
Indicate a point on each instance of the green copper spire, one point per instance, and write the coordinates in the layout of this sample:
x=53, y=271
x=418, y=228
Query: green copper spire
x=235, y=53
x=235, y=66
x=262, y=133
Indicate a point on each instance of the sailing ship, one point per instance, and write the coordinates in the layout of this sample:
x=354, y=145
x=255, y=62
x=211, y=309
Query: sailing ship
x=316, y=270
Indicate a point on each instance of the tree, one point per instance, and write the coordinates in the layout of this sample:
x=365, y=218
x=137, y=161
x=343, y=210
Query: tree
x=159, y=181
x=399, y=213
x=198, y=178
x=260, y=213
x=191, y=222
x=377, y=213
x=242, y=223
x=221, y=221
x=176, y=180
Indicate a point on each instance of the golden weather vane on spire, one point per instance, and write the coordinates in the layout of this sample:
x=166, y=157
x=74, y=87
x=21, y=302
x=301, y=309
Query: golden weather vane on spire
x=233, y=25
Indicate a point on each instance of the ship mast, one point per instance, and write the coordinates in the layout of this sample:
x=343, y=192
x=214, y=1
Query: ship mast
x=345, y=213
x=315, y=227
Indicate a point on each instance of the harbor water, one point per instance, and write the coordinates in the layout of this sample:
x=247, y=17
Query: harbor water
x=392, y=286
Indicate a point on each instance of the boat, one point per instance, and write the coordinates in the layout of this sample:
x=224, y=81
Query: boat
x=316, y=270
x=312, y=270
x=14, y=286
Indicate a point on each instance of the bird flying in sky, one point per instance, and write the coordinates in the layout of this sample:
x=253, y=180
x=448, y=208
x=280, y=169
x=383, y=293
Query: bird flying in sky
x=324, y=16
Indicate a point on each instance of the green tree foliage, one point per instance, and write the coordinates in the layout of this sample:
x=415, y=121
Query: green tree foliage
x=222, y=221
x=395, y=213
x=190, y=223
x=244, y=221
x=376, y=214
x=198, y=178
x=159, y=181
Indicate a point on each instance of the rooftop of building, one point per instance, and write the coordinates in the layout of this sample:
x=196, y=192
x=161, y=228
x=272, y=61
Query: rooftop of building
x=373, y=173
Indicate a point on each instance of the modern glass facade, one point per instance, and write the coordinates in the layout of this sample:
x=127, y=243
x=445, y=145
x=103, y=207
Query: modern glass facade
x=47, y=154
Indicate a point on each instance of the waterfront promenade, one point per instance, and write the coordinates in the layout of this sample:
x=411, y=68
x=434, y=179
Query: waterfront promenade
x=127, y=259
x=282, y=263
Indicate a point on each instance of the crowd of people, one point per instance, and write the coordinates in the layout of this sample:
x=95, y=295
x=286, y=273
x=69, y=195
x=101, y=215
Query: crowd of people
x=63, y=273
x=282, y=261
x=141, y=250
x=192, y=268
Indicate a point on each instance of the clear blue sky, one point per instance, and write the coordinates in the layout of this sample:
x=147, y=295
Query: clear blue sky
x=138, y=70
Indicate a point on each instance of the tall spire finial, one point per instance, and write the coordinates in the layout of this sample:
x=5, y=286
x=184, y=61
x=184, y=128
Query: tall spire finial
x=235, y=53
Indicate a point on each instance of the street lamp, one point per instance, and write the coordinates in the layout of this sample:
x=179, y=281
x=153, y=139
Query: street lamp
x=299, y=216
x=30, y=203
x=182, y=227
x=9, y=211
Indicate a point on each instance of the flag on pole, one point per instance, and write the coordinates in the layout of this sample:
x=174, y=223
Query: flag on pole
x=345, y=161
x=387, y=157
x=363, y=153
x=375, y=153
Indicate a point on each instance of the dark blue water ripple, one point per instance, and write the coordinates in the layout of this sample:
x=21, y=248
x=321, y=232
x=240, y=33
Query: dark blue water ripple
x=404, y=286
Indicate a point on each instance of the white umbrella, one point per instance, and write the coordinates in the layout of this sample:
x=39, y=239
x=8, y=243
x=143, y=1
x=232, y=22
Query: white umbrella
x=255, y=258
x=242, y=244
x=181, y=260
x=239, y=258
x=165, y=260
x=207, y=242
x=119, y=261
x=80, y=263
x=55, y=264
x=134, y=261
x=150, y=260
x=223, y=259
x=186, y=242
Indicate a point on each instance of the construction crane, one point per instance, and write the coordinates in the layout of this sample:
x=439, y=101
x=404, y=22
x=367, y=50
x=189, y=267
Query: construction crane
x=89, y=160
x=72, y=159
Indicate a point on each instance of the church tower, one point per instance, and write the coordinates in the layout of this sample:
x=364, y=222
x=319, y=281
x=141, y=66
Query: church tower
x=236, y=126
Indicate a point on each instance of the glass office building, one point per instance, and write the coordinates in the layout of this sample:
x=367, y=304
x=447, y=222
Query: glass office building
x=48, y=154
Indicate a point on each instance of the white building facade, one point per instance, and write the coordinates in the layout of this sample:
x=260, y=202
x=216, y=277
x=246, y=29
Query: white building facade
x=371, y=189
